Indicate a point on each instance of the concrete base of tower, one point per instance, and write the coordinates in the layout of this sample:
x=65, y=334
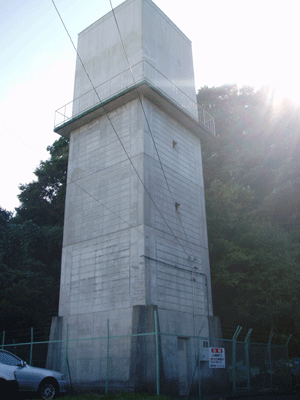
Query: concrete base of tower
x=148, y=354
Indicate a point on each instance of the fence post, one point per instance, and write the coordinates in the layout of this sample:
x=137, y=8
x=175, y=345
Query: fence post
x=67, y=343
x=16, y=352
x=199, y=361
x=31, y=345
x=236, y=333
x=286, y=346
x=247, y=340
x=289, y=338
x=270, y=359
x=107, y=359
x=157, y=353
x=199, y=366
x=3, y=339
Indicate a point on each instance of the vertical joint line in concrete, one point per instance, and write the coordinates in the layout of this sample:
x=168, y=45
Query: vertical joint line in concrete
x=107, y=359
x=157, y=353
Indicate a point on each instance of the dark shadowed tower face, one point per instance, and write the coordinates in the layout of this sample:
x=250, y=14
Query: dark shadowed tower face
x=135, y=228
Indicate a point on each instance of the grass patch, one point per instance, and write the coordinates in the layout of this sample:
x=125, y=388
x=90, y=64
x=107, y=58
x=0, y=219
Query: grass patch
x=111, y=396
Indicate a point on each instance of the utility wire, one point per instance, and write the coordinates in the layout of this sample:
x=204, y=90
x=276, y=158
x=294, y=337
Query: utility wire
x=103, y=205
x=110, y=121
x=162, y=168
x=26, y=144
x=148, y=125
x=80, y=187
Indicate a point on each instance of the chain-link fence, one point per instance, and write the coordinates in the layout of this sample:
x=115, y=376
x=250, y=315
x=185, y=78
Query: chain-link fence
x=159, y=363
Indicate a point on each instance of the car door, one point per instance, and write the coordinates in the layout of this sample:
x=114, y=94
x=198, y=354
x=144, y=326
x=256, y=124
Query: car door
x=28, y=378
x=17, y=370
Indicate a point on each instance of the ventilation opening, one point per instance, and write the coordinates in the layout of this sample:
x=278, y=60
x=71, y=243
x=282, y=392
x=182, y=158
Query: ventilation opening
x=177, y=207
x=174, y=144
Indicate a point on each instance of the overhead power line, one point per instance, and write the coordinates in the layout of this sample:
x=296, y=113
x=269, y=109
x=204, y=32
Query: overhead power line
x=116, y=133
x=80, y=187
x=103, y=205
x=21, y=140
x=148, y=125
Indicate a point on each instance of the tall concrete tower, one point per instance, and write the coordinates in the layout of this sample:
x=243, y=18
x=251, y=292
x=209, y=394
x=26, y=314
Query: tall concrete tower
x=135, y=236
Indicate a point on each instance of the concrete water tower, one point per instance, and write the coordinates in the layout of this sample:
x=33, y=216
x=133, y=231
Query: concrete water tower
x=135, y=237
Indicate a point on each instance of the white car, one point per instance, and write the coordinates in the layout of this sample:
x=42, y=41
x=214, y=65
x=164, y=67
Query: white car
x=15, y=374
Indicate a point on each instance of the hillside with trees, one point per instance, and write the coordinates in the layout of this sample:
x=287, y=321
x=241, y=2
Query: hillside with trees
x=30, y=246
x=252, y=185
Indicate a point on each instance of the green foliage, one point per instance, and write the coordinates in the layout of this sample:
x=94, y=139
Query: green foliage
x=42, y=201
x=30, y=246
x=251, y=173
x=25, y=295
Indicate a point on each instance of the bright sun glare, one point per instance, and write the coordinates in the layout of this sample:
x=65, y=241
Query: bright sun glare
x=287, y=91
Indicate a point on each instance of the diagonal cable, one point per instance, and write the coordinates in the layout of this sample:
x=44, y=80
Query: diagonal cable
x=103, y=205
x=80, y=187
x=116, y=133
x=148, y=124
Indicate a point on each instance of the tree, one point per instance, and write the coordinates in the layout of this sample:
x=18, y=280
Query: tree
x=252, y=199
x=31, y=244
x=29, y=274
x=42, y=201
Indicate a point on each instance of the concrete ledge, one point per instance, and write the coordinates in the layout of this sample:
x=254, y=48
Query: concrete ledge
x=142, y=88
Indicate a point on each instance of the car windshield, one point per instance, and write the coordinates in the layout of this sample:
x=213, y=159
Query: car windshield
x=9, y=359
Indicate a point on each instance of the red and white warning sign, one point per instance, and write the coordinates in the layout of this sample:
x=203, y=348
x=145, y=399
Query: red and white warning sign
x=216, y=357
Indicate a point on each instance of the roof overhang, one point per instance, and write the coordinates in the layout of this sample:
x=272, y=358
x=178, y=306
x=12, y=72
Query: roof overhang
x=141, y=89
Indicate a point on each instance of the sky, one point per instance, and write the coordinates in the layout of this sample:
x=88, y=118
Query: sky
x=247, y=42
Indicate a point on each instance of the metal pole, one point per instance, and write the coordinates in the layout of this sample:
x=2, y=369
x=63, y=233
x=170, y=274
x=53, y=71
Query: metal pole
x=247, y=340
x=15, y=346
x=157, y=353
x=3, y=339
x=31, y=345
x=233, y=367
x=289, y=338
x=199, y=366
x=286, y=346
x=270, y=360
x=107, y=359
x=67, y=343
x=199, y=360
x=237, y=332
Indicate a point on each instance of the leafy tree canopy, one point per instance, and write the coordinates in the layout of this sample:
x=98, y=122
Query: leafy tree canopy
x=252, y=186
x=42, y=201
x=31, y=243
